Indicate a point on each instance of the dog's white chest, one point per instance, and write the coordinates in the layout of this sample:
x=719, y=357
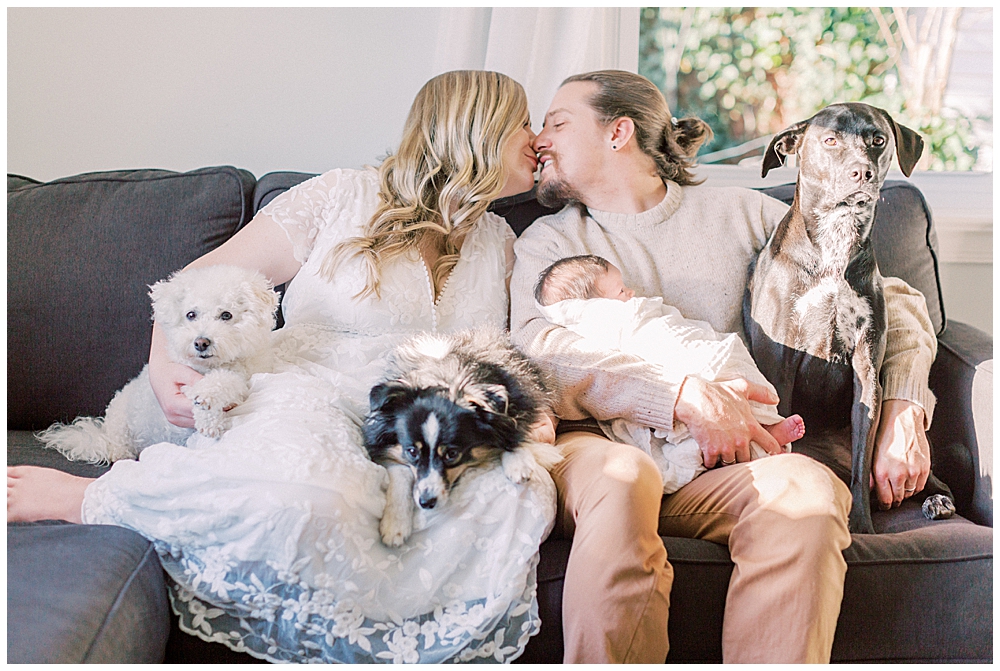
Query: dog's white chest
x=831, y=317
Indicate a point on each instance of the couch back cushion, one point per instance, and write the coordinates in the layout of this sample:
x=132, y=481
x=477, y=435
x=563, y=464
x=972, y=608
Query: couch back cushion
x=275, y=183
x=81, y=254
x=905, y=241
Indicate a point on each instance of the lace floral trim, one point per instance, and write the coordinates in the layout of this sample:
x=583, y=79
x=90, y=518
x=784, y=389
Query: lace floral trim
x=291, y=623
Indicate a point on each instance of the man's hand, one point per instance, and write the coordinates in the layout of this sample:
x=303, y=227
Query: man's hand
x=902, y=459
x=721, y=421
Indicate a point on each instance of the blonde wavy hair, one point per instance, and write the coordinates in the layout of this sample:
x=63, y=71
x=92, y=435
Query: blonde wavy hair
x=448, y=169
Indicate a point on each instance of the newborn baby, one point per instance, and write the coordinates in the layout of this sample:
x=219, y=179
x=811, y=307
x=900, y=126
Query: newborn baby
x=587, y=295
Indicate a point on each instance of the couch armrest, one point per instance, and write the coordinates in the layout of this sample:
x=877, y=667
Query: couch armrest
x=962, y=433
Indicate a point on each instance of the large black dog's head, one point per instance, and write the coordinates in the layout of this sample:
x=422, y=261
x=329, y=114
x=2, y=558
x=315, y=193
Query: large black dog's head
x=437, y=436
x=844, y=152
x=847, y=146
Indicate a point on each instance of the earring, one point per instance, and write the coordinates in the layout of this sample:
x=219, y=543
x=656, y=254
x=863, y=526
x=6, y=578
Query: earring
x=614, y=146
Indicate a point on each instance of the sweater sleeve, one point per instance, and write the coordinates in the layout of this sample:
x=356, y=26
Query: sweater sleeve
x=601, y=384
x=910, y=347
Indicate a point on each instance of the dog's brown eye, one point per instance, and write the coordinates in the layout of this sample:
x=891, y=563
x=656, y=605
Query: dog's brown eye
x=878, y=141
x=226, y=316
x=830, y=142
x=191, y=315
x=452, y=454
x=412, y=452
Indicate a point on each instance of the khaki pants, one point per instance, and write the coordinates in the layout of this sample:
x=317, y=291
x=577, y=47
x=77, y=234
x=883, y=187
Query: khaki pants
x=784, y=519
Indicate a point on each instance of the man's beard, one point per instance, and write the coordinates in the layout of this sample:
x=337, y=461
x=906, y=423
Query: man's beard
x=555, y=193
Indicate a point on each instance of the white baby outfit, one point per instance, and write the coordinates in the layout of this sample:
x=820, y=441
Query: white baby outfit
x=659, y=334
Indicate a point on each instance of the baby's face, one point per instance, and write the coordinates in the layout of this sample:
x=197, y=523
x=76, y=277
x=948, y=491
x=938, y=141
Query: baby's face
x=611, y=285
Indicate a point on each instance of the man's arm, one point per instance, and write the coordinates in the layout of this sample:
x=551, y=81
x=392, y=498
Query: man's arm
x=910, y=347
x=902, y=453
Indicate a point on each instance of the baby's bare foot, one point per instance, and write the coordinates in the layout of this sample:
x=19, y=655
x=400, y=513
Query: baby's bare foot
x=788, y=430
x=35, y=494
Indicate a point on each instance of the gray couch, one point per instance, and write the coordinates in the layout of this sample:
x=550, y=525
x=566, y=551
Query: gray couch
x=81, y=252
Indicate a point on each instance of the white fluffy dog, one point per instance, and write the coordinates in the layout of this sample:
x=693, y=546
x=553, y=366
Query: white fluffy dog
x=218, y=321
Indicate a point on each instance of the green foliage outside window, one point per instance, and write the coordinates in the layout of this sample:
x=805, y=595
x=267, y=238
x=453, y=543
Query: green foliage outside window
x=750, y=72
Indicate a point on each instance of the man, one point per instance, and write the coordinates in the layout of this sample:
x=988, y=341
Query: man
x=610, y=149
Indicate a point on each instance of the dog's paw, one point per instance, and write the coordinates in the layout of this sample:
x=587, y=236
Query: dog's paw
x=938, y=507
x=518, y=465
x=218, y=391
x=395, y=528
x=210, y=422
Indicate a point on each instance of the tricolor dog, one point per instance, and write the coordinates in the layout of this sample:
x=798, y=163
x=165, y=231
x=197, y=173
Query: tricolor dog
x=451, y=403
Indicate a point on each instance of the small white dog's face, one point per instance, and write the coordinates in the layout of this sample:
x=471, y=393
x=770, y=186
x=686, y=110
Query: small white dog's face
x=215, y=315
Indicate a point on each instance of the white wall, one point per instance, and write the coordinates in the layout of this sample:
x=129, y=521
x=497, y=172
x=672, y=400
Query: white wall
x=262, y=89
x=268, y=89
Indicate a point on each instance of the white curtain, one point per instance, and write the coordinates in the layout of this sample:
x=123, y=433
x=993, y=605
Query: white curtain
x=538, y=47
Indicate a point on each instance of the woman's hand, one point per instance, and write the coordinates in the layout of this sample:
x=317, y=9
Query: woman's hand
x=720, y=419
x=166, y=378
x=902, y=459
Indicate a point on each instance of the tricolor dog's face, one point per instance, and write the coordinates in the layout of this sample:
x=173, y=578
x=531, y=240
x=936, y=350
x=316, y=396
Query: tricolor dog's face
x=436, y=437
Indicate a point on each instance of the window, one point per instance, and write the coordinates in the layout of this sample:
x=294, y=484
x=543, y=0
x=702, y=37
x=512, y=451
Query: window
x=750, y=72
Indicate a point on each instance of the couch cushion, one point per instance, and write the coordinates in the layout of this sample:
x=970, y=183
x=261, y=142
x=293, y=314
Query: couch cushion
x=24, y=448
x=83, y=593
x=275, y=183
x=81, y=252
x=923, y=594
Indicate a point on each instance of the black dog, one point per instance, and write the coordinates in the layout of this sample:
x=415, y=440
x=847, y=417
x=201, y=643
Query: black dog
x=814, y=310
x=452, y=402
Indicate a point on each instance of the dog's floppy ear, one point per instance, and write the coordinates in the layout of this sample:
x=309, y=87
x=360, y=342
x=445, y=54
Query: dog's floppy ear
x=379, y=427
x=492, y=398
x=261, y=291
x=783, y=144
x=387, y=396
x=909, y=144
x=491, y=403
x=159, y=294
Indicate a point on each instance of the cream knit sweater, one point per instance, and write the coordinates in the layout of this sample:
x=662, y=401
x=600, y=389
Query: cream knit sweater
x=693, y=249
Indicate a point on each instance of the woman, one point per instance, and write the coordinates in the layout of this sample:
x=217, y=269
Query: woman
x=271, y=533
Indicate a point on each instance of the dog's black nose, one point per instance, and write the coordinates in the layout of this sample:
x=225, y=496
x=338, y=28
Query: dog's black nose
x=202, y=344
x=427, y=502
x=862, y=174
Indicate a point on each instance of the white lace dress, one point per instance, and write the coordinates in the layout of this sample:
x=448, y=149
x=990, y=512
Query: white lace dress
x=271, y=533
